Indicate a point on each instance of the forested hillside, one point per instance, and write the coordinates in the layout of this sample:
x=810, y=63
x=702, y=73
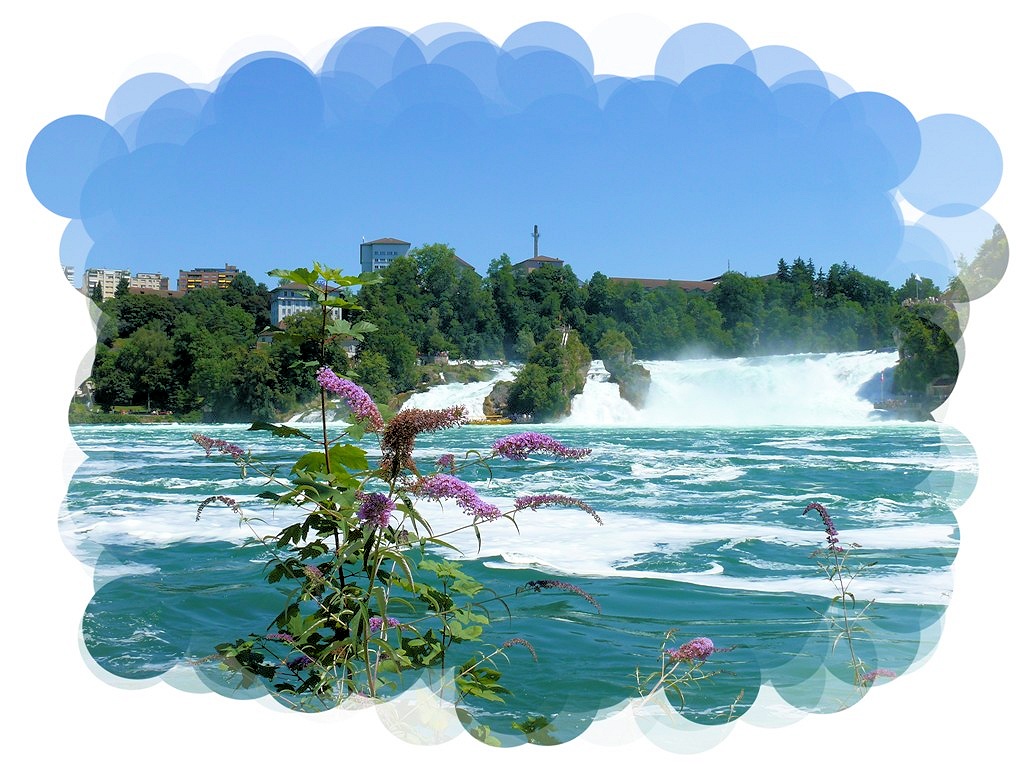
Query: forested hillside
x=200, y=353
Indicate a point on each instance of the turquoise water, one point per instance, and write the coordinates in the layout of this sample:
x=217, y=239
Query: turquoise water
x=703, y=534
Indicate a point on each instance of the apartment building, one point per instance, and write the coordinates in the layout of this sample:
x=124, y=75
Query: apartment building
x=206, y=277
x=106, y=279
x=152, y=281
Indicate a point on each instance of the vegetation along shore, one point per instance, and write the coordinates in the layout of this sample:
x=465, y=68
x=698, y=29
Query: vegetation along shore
x=207, y=355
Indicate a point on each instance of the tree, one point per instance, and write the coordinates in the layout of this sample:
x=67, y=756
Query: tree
x=371, y=371
x=502, y=284
x=597, y=301
x=255, y=386
x=615, y=350
x=212, y=384
x=524, y=344
x=927, y=352
x=740, y=300
x=137, y=310
x=980, y=275
x=232, y=324
x=916, y=288
x=552, y=376
x=147, y=356
x=113, y=386
x=245, y=293
x=782, y=271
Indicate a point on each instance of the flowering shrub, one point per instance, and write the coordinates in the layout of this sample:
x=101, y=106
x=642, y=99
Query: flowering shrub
x=370, y=597
x=680, y=668
x=834, y=562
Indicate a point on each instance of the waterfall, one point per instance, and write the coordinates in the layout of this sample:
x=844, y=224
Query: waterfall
x=797, y=390
x=834, y=389
x=469, y=394
x=600, y=403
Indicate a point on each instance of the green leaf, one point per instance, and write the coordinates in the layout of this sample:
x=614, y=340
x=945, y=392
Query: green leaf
x=402, y=563
x=351, y=456
x=363, y=327
x=468, y=617
x=483, y=734
x=327, y=273
x=311, y=462
x=460, y=633
x=338, y=302
x=466, y=586
x=278, y=430
x=300, y=275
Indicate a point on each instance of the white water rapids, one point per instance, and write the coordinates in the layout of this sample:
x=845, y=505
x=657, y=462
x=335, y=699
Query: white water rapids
x=797, y=390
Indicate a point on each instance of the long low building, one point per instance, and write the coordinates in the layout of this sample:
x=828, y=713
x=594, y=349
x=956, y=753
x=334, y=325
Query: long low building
x=687, y=285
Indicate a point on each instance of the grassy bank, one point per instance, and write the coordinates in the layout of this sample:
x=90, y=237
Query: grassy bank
x=79, y=414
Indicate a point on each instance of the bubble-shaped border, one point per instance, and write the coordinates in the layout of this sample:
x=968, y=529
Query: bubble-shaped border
x=876, y=141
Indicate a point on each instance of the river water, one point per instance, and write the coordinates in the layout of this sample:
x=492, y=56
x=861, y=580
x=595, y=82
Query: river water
x=701, y=497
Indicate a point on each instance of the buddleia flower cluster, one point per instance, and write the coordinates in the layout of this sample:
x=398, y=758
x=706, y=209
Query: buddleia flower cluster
x=358, y=401
x=697, y=649
x=522, y=445
x=358, y=557
x=211, y=444
x=832, y=536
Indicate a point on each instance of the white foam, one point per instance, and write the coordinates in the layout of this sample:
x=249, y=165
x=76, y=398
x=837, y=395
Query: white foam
x=797, y=390
x=470, y=394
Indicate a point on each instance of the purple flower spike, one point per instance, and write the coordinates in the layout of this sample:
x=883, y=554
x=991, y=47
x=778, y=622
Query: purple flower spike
x=225, y=500
x=537, y=586
x=832, y=535
x=870, y=677
x=210, y=444
x=447, y=487
x=377, y=623
x=355, y=397
x=376, y=509
x=521, y=445
x=298, y=663
x=555, y=499
x=522, y=642
x=697, y=649
x=446, y=462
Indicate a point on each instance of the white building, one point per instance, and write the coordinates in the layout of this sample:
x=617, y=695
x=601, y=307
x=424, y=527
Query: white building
x=291, y=298
x=106, y=279
x=151, y=280
x=378, y=254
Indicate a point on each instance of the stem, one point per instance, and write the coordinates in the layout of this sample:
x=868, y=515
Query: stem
x=854, y=661
x=323, y=404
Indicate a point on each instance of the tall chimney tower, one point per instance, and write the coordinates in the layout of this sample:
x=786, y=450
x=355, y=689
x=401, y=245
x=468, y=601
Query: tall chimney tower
x=536, y=242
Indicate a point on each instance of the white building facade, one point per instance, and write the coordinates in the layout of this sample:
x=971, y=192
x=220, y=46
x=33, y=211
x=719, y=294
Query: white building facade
x=106, y=279
x=378, y=254
x=292, y=298
x=153, y=281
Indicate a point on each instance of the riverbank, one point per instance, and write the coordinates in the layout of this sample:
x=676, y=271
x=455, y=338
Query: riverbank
x=80, y=414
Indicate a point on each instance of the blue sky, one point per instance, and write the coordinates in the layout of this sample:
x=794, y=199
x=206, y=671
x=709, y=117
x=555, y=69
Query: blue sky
x=721, y=157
